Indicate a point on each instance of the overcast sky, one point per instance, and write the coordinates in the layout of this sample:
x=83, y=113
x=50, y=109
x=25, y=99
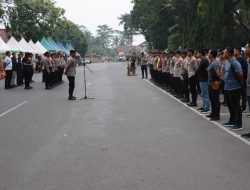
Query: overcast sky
x=92, y=13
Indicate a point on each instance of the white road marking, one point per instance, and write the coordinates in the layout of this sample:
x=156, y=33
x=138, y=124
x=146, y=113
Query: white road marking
x=13, y=109
x=204, y=116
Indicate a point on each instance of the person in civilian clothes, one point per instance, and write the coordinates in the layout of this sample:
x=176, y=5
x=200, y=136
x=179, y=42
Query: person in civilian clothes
x=214, y=85
x=247, y=135
x=233, y=76
x=70, y=71
x=202, y=74
x=27, y=70
x=144, y=65
x=244, y=66
x=8, y=70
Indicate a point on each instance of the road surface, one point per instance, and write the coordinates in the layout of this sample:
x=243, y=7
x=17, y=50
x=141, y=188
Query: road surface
x=132, y=137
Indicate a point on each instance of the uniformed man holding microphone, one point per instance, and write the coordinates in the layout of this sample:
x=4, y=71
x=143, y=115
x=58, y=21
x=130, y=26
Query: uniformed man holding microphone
x=70, y=72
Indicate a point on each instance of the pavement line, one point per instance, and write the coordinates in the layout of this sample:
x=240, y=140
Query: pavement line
x=203, y=116
x=13, y=109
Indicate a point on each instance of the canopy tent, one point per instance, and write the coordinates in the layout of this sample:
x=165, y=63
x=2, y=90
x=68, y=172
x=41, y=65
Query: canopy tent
x=3, y=46
x=32, y=45
x=25, y=46
x=40, y=47
x=50, y=45
x=36, y=49
x=54, y=44
x=13, y=45
x=63, y=48
x=69, y=47
x=46, y=44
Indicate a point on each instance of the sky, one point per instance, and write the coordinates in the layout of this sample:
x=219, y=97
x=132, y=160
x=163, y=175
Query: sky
x=92, y=13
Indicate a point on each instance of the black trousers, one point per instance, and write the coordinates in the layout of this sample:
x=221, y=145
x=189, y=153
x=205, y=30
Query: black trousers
x=47, y=79
x=244, y=96
x=144, y=71
x=71, y=86
x=233, y=101
x=27, y=78
x=186, y=89
x=177, y=85
x=19, y=73
x=214, y=96
x=193, y=89
x=8, y=79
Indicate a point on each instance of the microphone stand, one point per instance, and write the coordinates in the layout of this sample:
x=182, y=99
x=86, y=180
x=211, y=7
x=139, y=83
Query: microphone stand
x=85, y=82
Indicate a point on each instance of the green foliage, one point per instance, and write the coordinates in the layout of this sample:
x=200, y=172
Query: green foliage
x=106, y=42
x=34, y=19
x=190, y=23
x=67, y=32
x=1, y=12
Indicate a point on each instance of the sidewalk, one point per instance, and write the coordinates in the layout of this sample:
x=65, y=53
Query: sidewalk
x=224, y=113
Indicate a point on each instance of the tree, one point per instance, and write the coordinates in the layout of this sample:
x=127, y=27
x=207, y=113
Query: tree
x=34, y=19
x=104, y=35
x=67, y=32
x=190, y=23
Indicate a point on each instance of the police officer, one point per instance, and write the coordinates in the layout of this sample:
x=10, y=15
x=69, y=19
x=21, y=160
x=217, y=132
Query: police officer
x=70, y=71
x=27, y=70
x=47, y=70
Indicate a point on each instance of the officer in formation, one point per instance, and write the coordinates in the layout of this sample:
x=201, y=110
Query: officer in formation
x=53, y=67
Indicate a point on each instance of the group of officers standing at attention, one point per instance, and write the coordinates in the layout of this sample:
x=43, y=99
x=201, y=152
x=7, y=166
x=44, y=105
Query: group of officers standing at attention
x=53, y=67
x=57, y=64
x=20, y=69
x=208, y=73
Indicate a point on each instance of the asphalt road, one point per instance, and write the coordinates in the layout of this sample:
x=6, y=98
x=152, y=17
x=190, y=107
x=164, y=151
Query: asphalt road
x=132, y=137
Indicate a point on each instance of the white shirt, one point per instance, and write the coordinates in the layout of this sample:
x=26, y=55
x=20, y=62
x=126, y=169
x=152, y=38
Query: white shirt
x=178, y=67
x=192, y=67
x=8, y=63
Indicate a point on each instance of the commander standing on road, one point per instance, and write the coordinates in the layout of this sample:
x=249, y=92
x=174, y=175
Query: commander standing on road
x=70, y=72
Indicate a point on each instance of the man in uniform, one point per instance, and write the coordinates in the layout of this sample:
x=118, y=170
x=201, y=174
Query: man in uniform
x=47, y=71
x=70, y=71
x=192, y=68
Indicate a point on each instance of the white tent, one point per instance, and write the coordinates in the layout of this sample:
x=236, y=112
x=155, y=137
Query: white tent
x=25, y=46
x=36, y=49
x=40, y=46
x=3, y=46
x=13, y=45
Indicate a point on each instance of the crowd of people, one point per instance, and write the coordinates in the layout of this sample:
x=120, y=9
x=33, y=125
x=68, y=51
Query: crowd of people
x=20, y=68
x=209, y=74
